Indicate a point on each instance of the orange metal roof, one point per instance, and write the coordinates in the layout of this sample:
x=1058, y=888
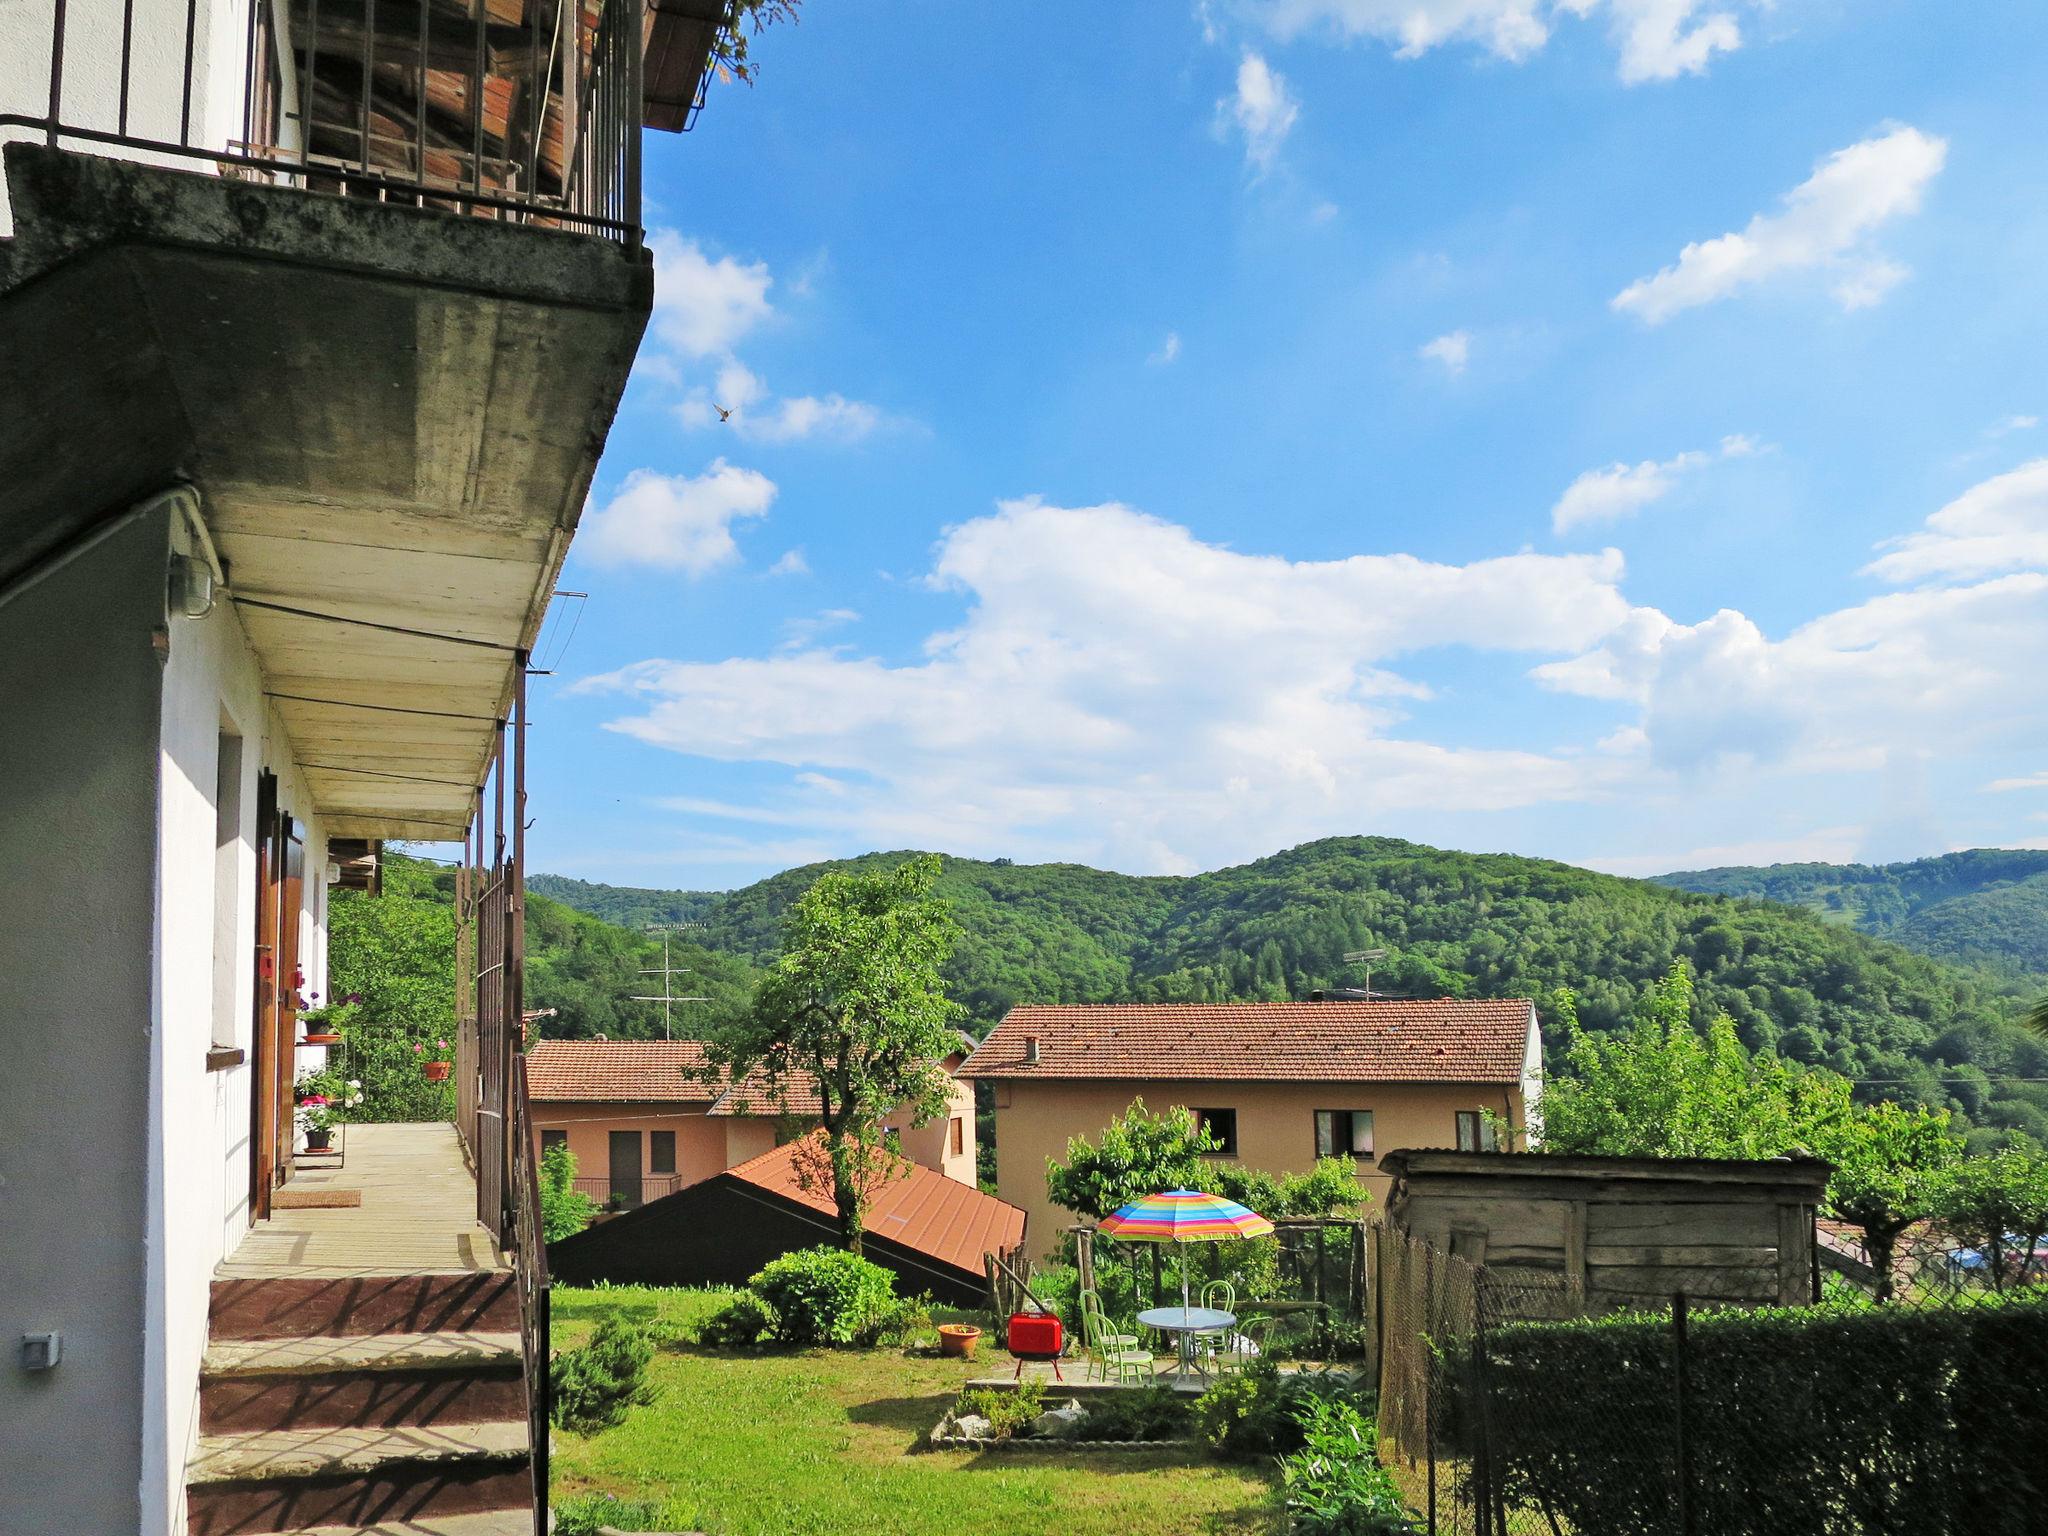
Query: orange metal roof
x=1385, y=1040
x=949, y=1221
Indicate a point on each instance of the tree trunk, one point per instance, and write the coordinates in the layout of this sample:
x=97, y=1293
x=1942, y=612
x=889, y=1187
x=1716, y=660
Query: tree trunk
x=1878, y=1241
x=849, y=1220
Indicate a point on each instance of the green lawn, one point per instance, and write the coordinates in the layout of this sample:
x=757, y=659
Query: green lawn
x=824, y=1442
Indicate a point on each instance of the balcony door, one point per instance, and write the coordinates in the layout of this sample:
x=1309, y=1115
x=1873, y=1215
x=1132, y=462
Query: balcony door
x=280, y=883
x=626, y=1167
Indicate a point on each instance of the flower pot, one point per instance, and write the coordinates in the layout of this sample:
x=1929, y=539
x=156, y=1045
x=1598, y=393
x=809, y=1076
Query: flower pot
x=320, y=1039
x=958, y=1340
x=320, y=1140
x=437, y=1071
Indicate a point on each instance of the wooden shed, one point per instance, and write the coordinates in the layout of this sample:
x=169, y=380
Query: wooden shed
x=1597, y=1234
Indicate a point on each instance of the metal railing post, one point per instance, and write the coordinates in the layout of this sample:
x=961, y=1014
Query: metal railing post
x=1680, y=1386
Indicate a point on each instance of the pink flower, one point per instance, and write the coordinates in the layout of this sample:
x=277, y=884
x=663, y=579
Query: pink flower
x=418, y=1049
x=440, y=1045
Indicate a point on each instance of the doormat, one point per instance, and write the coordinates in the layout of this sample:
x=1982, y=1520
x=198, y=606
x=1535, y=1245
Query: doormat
x=312, y=1199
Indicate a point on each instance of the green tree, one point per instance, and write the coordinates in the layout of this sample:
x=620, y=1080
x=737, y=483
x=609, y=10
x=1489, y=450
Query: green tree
x=391, y=968
x=1891, y=1165
x=1998, y=1205
x=1665, y=1088
x=856, y=1002
x=1140, y=1154
x=564, y=1209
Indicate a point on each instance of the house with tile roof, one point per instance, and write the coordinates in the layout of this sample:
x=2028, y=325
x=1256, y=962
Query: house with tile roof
x=645, y=1118
x=1278, y=1084
x=932, y=1231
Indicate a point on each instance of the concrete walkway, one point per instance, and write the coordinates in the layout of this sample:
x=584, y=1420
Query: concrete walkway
x=417, y=1217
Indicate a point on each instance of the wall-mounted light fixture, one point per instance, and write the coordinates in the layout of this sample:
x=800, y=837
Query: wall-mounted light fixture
x=192, y=588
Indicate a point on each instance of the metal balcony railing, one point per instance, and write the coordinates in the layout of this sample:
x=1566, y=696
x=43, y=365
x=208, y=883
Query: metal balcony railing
x=523, y=110
x=652, y=1187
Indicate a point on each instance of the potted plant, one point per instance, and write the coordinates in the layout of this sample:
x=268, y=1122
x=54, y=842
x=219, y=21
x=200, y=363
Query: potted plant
x=438, y=1068
x=958, y=1339
x=322, y=1023
x=321, y=1099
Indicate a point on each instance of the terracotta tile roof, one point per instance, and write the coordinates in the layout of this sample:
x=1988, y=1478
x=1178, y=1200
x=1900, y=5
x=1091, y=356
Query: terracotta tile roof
x=942, y=1218
x=618, y=1072
x=1395, y=1040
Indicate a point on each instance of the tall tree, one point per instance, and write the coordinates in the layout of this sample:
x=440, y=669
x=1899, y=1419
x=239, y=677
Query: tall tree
x=1998, y=1205
x=1140, y=1154
x=856, y=1004
x=1891, y=1167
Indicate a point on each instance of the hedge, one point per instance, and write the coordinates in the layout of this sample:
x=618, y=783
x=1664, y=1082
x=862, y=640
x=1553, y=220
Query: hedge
x=1806, y=1422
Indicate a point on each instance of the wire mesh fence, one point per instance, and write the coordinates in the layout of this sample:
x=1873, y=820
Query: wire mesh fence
x=1501, y=1413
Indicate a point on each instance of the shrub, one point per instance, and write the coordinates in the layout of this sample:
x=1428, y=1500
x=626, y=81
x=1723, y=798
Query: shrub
x=825, y=1296
x=586, y=1514
x=902, y=1322
x=1335, y=1484
x=744, y=1319
x=1007, y=1412
x=1256, y=1412
x=1904, y=1414
x=564, y=1211
x=592, y=1387
x=1145, y=1413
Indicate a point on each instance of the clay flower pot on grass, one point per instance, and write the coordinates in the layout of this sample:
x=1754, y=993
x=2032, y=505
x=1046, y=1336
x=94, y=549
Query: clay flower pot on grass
x=958, y=1340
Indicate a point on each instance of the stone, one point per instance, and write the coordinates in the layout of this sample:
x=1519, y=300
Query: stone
x=1060, y=1421
x=972, y=1426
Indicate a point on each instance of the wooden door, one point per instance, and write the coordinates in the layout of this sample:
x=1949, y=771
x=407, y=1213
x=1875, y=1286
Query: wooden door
x=263, y=1065
x=625, y=1149
x=291, y=888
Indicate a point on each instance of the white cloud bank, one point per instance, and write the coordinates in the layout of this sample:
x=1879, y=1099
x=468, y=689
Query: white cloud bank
x=1453, y=350
x=1654, y=39
x=1117, y=690
x=1825, y=222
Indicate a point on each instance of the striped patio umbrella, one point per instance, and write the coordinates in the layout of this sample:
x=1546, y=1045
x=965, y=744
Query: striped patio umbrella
x=1183, y=1216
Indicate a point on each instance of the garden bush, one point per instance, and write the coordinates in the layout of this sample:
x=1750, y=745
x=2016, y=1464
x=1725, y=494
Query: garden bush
x=825, y=1296
x=564, y=1210
x=1008, y=1411
x=1144, y=1413
x=744, y=1319
x=1335, y=1485
x=1853, y=1418
x=1256, y=1412
x=592, y=1387
x=903, y=1321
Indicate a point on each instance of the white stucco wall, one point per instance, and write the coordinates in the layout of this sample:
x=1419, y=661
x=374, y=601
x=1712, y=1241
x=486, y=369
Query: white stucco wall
x=198, y=1203
x=91, y=83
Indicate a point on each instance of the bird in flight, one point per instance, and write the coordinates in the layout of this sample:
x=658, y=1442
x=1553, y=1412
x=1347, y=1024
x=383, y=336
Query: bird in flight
x=724, y=411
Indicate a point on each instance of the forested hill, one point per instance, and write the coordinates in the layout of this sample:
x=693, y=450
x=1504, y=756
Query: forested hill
x=626, y=905
x=1986, y=906
x=1482, y=925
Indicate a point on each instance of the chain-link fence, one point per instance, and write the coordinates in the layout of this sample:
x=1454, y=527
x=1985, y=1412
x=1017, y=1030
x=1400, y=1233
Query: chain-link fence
x=1500, y=1414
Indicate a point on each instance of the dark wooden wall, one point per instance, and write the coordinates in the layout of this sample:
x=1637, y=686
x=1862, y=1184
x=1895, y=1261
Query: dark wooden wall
x=722, y=1231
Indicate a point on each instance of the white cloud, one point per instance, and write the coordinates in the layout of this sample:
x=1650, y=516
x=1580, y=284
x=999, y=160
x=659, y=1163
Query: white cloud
x=792, y=563
x=2030, y=781
x=702, y=310
x=1169, y=350
x=1622, y=490
x=1453, y=350
x=1262, y=109
x=704, y=307
x=1824, y=223
x=676, y=522
x=1823, y=845
x=1656, y=39
x=1120, y=689
x=2011, y=424
x=1998, y=525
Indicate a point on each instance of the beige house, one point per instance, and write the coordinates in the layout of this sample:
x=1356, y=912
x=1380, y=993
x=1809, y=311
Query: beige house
x=1279, y=1084
x=643, y=1120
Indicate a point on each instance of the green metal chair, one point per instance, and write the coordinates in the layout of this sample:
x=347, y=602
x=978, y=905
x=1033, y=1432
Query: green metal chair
x=1111, y=1335
x=1220, y=1296
x=1248, y=1343
x=1133, y=1366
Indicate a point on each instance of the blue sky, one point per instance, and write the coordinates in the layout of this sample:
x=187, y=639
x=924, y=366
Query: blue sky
x=1605, y=430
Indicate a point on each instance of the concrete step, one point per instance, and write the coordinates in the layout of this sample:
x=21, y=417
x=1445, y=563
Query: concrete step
x=282, y=1307
x=495, y=1522
x=249, y=1482
x=369, y=1381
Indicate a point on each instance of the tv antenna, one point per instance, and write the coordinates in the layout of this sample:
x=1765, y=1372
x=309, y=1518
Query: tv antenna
x=1364, y=957
x=668, y=974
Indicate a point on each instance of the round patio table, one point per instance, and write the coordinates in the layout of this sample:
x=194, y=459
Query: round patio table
x=1187, y=1322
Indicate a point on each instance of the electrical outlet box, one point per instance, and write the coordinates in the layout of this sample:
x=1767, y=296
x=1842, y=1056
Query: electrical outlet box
x=41, y=1351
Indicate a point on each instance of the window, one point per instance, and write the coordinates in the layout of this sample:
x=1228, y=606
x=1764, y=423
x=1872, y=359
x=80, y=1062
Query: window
x=1475, y=1132
x=549, y=1139
x=1344, y=1133
x=661, y=1151
x=892, y=1138
x=956, y=1137
x=228, y=842
x=1222, y=1125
